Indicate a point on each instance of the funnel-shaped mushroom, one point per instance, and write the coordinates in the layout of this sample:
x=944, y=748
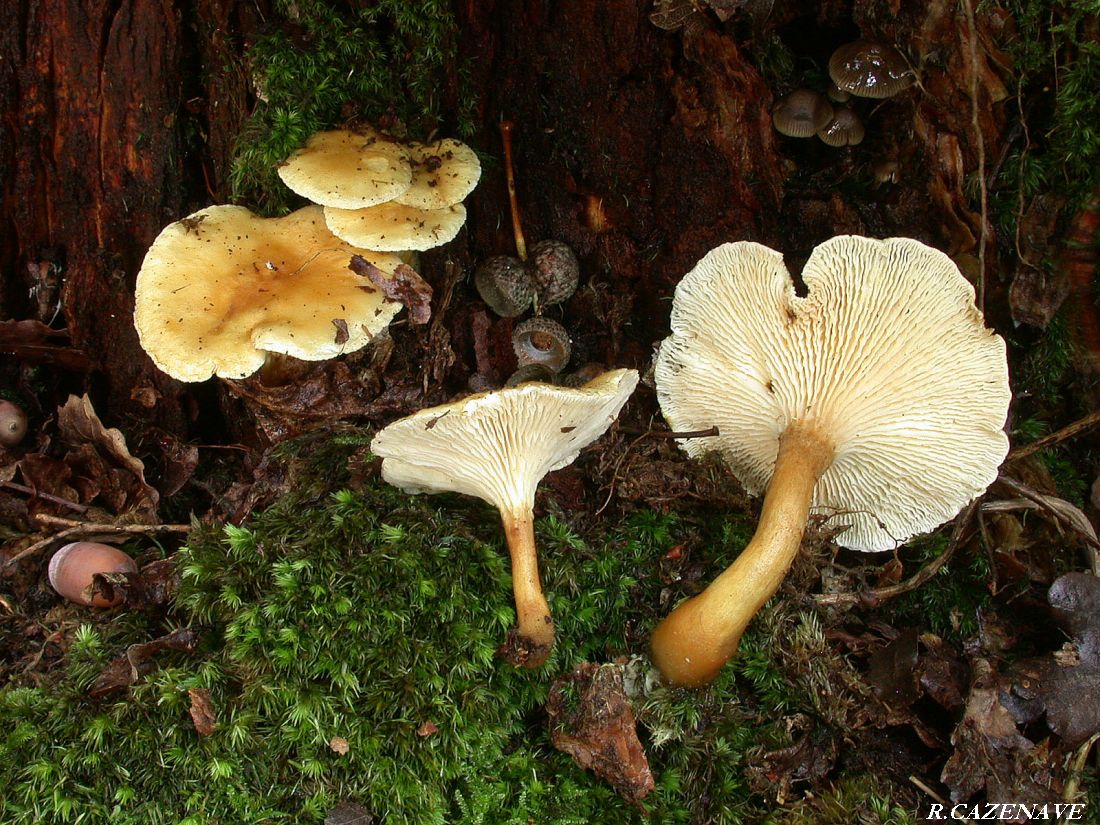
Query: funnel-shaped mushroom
x=497, y=446
x=877, y=400
x=221, y=288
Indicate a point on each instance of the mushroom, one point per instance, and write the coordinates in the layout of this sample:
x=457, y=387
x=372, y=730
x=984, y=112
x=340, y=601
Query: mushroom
x=801, y=114
x=73, y=568
x=497, y=446
x=878, y=400
x=348, y=169
x=221, y=288
x=444, y=173
x=13, y=423
x=392, y=227
x=868, y=69
x=843, y=129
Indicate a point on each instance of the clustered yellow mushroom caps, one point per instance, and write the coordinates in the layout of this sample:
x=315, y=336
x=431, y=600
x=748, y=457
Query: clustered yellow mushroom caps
x=877, y=400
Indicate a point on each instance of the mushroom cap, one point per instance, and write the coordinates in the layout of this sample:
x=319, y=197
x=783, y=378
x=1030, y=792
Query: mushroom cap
x=348, y=169
x=221, y=287
x=444, y=172
x=869, y=69
x=801, y=113
x=843, y=129
x=393, y=227
x=498, y=445
x=886, y=354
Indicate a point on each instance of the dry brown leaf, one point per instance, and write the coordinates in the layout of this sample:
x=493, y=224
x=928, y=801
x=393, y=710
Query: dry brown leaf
x=202, y=711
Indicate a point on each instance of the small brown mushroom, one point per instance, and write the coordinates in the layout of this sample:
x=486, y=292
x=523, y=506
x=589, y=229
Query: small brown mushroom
x=844, y=129
x=73, y=568
x=801, y=113
x=13, y=423
x=869, y=69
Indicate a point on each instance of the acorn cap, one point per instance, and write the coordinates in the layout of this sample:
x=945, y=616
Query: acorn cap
x=444, y=172
x=886, y=356
x=392, y=227
x=498, y=445
x=542, y=341
x=844, y=129
x=555, y=271
x=869, y=69
x=220, y=288
x=348, y=169
x=801, y=113
x=504, y=283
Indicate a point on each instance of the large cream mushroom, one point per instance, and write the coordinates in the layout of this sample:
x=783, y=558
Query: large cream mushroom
x=221, y=288
x=497, y=446
x=349, y=168
x=878, y=400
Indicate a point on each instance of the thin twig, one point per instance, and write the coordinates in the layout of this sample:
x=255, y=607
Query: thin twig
x=1073, y=781
x=1044, y=505
x=30, y=491
x=881, y=594
x=972, y=26
x=509, y=172
x=1069, y=431
x=709, y=432
x=86, y=528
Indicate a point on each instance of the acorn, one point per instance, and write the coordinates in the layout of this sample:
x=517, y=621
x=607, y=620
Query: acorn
x=530, y=372
x=542, y=341
x=555, y=270
x=583, y=375
x=13, y=423
x=505, y=285
x=73, y=567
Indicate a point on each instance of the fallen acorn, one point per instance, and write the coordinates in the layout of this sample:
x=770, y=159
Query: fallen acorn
x=73, y=568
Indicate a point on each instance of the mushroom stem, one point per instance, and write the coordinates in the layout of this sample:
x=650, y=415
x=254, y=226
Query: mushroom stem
x=509, y=171
x=694, y=641
x=530, y=643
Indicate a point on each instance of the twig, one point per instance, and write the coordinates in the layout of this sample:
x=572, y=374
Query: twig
x=517, y=225
x=709, y=432
x=925, y=789
x=30, y=491
x=1044, y=504
x=972, y=26
x=881, y=594
x=1069, y=431
x=79, y=528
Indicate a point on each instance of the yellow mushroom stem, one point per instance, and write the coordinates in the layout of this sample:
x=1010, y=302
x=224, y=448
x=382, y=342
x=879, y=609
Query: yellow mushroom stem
x=534, y=633
x=694, y=641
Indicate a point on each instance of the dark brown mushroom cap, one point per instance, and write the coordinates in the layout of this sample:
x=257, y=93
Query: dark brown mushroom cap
x=844, y=129
x=801, y=113
x=869, y=69
x=13, y=423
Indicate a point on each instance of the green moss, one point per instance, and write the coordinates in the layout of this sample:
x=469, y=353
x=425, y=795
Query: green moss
x=1057, y=66
x=321, y=63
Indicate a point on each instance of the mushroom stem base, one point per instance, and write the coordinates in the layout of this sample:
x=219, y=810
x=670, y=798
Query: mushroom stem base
x=529, y=643
x=693, y=642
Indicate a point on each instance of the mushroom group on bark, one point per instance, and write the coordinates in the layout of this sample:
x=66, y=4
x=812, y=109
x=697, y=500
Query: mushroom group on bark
x=497, y=446
x=878, y=400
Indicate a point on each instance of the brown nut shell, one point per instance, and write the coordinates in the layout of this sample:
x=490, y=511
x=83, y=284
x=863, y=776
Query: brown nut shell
x=73, y=567
x=13, y=423
x=530, y=372
x=542, y=341
x=555, y=270
x=505, y=285
x=869, y=69
x=801, y=113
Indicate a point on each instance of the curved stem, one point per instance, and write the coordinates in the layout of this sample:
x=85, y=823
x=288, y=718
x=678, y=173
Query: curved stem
x=513, y=202
x=533, y=637
x=693, y=642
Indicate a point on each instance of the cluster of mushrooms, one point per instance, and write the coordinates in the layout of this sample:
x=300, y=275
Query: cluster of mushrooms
x=863, y=68
x=876, y=401
x=222, y=289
